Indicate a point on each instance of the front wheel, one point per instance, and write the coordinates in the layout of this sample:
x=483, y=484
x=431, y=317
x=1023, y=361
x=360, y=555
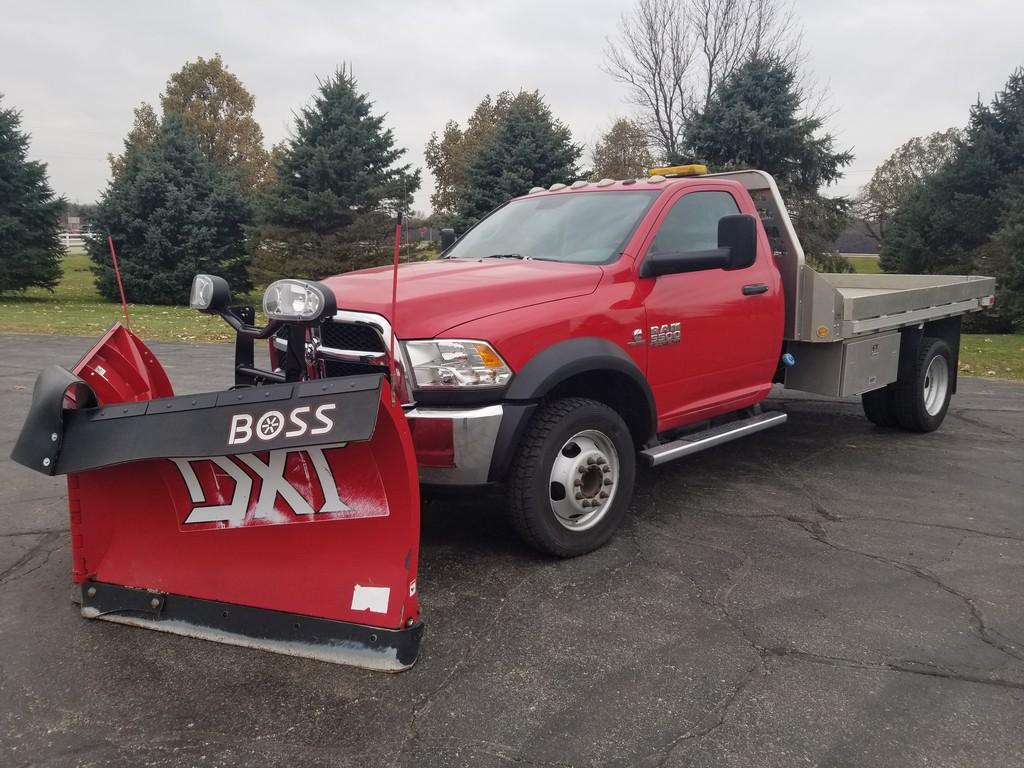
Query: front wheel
x=571, y=481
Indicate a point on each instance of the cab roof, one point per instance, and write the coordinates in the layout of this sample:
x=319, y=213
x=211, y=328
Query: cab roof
x=669, y=175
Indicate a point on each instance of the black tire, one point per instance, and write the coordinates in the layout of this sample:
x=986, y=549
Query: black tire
x=534, y=497
x=921, y=394
x=880, y=407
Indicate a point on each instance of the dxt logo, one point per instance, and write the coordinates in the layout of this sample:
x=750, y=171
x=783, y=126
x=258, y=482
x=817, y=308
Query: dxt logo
x=268, y=426
x=312, y=491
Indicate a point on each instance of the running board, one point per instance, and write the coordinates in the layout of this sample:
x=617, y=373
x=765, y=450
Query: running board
x=709, y=438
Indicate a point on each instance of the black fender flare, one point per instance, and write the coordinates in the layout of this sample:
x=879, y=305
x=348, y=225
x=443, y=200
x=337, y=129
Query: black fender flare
x=549, y=368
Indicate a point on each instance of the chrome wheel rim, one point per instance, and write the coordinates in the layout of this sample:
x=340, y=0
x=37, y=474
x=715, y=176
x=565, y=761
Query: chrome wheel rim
x=583, y=481
x=936, y=384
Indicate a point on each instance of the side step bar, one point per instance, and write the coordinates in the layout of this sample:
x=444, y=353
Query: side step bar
x=709, y=438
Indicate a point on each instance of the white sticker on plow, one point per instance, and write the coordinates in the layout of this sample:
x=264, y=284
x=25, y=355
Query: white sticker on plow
x=374, y=599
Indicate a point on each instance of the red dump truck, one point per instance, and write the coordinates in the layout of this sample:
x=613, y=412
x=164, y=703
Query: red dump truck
x=573, y=332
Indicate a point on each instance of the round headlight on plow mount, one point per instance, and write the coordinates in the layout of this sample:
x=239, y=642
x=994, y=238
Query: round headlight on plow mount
x=298, y=301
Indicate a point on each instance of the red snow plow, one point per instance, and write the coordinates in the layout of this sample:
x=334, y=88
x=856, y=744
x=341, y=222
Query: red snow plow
x=281, y=514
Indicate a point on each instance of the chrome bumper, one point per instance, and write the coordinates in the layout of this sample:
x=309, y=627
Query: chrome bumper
x=474, y=433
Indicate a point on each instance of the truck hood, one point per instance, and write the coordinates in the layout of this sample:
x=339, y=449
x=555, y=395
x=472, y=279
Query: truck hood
x=439, y=294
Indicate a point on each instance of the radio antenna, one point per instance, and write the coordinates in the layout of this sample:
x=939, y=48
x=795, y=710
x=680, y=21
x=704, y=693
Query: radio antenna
x=394, y=303
x=120, y=285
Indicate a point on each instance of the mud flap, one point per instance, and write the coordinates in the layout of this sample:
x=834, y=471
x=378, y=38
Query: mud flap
x=283, y=517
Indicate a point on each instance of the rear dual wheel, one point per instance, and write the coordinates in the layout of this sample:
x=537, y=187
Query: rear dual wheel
x=918, y=400
x=571, y=481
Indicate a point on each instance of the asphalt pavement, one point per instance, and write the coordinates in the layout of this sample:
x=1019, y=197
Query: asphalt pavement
x=825, y=593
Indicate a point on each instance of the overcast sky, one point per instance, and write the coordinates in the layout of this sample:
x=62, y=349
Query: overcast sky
x=893, y=68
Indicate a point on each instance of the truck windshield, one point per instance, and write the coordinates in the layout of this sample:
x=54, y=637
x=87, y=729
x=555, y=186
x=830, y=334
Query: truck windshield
x=585, y=228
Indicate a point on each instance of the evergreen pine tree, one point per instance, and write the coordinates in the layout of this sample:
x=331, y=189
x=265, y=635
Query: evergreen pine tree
x=969, y=216
x=337, y=189
x=528, y=148
x=754, y=121
x=29, y=214
x=171, y=214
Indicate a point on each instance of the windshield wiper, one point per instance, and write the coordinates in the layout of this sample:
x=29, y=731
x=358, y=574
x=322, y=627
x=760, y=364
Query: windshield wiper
x=506, y=256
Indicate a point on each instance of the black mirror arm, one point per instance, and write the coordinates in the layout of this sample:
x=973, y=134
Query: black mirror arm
x=244, y=329
x=687, y=261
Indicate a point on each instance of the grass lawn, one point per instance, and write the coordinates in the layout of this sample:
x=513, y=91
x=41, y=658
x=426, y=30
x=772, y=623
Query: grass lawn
x=75, y=309
x=998, y=356
x=865, y=265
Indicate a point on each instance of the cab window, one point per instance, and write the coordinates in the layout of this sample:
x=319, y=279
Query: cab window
x=692, y=224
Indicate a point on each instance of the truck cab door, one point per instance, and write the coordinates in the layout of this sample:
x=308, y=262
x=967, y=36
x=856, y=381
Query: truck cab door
x=714, y=335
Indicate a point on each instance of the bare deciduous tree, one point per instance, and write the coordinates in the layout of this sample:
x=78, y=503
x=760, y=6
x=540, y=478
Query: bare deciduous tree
x=654, y=56
x=902, y=172
x=673, y=54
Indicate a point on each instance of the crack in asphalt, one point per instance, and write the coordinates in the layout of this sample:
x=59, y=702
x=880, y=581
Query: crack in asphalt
x=1010, y=648
x=715, y=719
x=502, y=752
x=908, y=666
x=997, y=640
x=718, y=715
x=412, y=731
x=37, y=532
x=48, y=543
x=958, y=413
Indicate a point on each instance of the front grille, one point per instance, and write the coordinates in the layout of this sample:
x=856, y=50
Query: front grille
x=351, y=336
x=335, y=368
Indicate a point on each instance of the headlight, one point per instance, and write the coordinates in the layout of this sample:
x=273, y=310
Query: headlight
x=209, y=293
x=298, y=301
x=443, y=363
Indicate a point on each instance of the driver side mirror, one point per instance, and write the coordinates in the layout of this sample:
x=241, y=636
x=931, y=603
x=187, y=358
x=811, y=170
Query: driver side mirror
x=447, y=238
x=737, y=249
x=738, y=233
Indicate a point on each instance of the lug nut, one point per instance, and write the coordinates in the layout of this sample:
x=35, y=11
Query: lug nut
x=591, y=460
x=579, y=496
x=581, y=470
x=602, y=460
x=608, y=481
x=577, y=482
x=603, y=494
x=606, y=469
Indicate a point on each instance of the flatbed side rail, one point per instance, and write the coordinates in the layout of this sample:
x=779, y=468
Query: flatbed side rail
x=844, y=306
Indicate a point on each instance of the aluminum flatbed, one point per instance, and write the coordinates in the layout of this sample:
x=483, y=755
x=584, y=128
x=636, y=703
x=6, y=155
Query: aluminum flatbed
x=849, y=306
x=844, y=331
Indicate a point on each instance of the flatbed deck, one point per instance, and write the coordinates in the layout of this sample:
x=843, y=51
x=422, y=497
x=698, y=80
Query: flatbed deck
x=851, y=305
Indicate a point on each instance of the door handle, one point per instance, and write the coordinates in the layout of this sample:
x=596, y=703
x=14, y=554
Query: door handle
x=754, y=288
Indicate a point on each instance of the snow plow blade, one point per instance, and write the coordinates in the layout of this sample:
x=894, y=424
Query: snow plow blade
x=283, y=517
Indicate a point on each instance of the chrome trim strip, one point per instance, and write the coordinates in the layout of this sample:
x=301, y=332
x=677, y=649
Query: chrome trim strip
x=354, y=356
x=474, y=435
x=486, y=411
x=700, y=441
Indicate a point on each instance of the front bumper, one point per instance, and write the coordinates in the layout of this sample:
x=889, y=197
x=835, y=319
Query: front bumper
x=474, y=436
